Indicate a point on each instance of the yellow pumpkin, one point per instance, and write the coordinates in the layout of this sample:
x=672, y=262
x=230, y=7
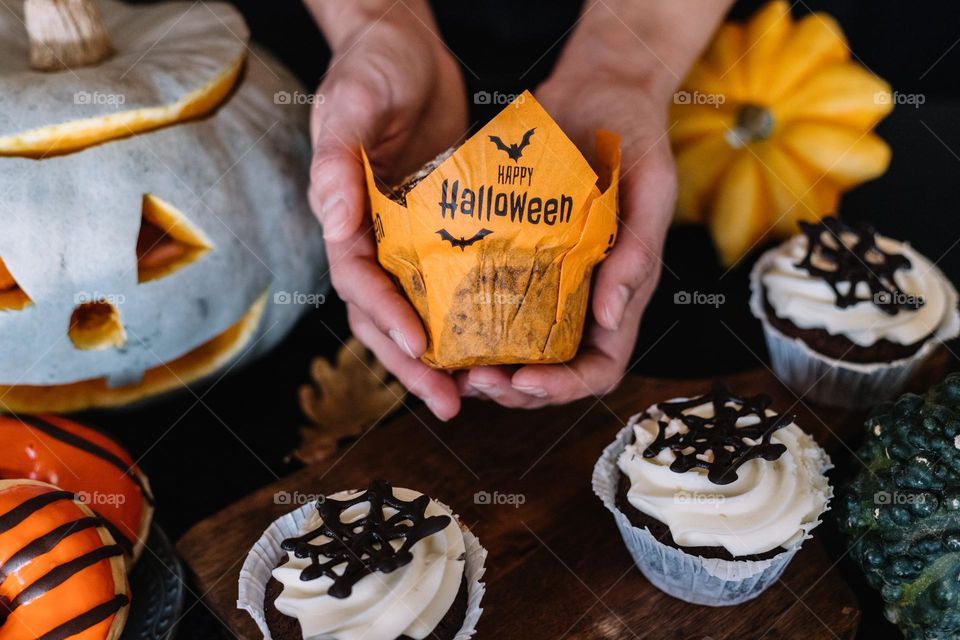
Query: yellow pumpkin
x=771, y=125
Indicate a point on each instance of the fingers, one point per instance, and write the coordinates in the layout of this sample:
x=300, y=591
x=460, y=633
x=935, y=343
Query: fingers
x=344, y=120
x=359, y=281
x=436, y=388
x=495, y=383
x=647, y=200
x=599, y=366
x=336, y=191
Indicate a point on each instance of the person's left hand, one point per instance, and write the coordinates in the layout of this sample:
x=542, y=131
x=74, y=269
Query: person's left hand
x=583, y=98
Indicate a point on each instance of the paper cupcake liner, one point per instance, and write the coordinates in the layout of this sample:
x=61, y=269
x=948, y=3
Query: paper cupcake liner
x=712, y=582
x=834, y=382
x=266, y=553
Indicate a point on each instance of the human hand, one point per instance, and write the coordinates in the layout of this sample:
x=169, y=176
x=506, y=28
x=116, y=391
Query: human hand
x=609, y=77
x=393, y=88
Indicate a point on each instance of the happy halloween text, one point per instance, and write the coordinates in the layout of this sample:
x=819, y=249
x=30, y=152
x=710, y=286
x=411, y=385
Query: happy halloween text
x=484, y=204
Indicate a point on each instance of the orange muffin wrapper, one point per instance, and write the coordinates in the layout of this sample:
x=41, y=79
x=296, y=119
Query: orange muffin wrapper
x=496, y=246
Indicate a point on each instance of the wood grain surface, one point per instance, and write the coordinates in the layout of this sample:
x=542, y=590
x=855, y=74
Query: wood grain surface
x=557, y=566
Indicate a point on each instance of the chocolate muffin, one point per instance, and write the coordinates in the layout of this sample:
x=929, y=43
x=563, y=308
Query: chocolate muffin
x=400, y=191
x=848, y=314
x=713, y=495
x=496, y=250
x=385, y=564
x=853, y=295
x=702, y=474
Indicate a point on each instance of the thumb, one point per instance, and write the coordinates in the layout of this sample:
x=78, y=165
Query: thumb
x=647, y=205
x=337, y=194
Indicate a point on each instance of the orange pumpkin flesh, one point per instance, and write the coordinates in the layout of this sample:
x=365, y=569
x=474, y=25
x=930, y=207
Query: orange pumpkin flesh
x=191, y=366
x=69, y=137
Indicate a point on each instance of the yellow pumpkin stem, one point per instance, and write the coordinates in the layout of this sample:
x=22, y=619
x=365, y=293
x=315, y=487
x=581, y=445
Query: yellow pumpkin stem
x=65, y=34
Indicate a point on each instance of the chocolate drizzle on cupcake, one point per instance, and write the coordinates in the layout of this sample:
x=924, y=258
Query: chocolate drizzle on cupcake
x=839, y=253
x=363, y=546
x=730, y=445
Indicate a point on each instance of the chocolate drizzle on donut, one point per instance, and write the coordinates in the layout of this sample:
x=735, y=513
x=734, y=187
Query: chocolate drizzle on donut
x=44, y=544
x=730, y=445
x=61, y=573
x=73, y=440
x=851, y=256
x=86, y=620
x=58, y=574
x=363, y=546
x=15, y=516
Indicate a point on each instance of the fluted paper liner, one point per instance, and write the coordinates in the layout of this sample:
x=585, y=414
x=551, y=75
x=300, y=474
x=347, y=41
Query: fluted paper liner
x=833, y=382
x=266, y=553
x=495, y=247
x=706, y=581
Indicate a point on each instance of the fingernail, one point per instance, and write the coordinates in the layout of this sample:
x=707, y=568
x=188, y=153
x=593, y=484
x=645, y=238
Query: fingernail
x=615, y=310
x=334, y=219
x=536, y=392
x=432, y=405
x=397, y=336
x=471, y=392
x=490, y=390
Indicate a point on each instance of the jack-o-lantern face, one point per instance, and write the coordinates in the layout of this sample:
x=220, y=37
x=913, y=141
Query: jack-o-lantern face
x=144, y=262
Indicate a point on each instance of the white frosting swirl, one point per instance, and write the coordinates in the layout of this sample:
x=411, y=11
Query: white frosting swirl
x=408, y=601
x=809, y=302
x=771, y=503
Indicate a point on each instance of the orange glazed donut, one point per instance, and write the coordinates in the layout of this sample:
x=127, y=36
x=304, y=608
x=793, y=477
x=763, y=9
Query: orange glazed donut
x=61, y=573
x=86, y=462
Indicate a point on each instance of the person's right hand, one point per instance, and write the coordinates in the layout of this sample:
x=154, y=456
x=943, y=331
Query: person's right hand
x=393, y=88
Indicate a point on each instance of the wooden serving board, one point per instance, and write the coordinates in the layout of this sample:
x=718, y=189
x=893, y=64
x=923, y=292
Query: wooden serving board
x=557, y=567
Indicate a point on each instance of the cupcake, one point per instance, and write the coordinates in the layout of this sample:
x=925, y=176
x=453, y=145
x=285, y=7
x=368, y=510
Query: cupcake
x=381, y=564
x=494, y=242
x=848, y=314
x=713, y=495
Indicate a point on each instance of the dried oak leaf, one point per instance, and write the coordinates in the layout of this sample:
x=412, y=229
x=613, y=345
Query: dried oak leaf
x=344, y=400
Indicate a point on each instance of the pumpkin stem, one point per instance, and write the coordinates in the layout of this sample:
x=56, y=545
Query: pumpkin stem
x=65, y=34
x=754, y=124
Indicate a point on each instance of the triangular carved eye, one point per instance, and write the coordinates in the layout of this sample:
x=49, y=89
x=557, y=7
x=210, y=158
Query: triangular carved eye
x=12, y=297
x=168, y=241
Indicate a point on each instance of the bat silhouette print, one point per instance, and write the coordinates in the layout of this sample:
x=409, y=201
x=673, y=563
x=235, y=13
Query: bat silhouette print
x=463, y=243
x=514, y=151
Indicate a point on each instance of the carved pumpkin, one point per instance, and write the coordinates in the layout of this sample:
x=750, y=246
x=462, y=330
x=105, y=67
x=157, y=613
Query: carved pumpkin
x=141, y=241
x=771, y=126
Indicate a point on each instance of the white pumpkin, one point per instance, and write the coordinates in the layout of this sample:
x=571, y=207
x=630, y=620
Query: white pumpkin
x=148, y=260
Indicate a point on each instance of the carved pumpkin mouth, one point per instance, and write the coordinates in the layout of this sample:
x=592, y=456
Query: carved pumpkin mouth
x=189, y=367
x=68, y=137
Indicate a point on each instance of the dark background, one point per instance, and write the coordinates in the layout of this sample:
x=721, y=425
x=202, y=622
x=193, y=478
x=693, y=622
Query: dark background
x=207, y=450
